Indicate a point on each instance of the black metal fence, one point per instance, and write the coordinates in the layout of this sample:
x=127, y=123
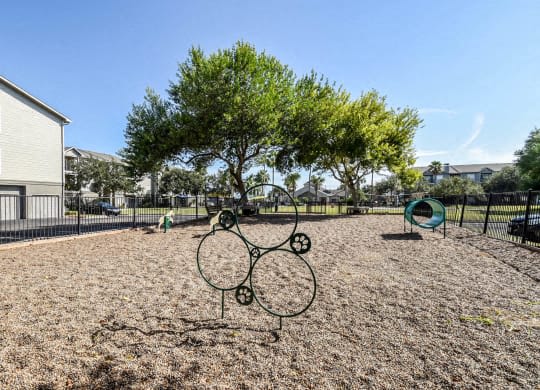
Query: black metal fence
x=508, y=216
x=512, y=216
x=25, y=218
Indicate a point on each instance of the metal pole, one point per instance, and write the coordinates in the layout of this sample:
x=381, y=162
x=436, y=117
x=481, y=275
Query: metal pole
x=372, y=190
x=134, y=212
x=487, y=212
x=463, y=210
x=79, y=214
x=527, y=213
x=222, y=303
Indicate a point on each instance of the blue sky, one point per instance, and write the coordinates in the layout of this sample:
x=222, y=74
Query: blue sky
x=469, y=67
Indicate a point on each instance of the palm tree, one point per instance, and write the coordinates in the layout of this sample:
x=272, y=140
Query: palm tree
x=290, y=182
x=268, y=159
x=435, y=167
x=317, y=181
x=262, y=177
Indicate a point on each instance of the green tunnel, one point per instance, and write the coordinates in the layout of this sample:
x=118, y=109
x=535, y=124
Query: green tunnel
x=438, y=213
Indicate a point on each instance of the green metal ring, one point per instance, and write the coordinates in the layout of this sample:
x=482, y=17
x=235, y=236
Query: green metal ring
x=266, y=308
x=242, y=201
x=199, y=263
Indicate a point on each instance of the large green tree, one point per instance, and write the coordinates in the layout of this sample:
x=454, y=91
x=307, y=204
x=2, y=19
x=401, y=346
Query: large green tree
x=350, y=139
x=228, y=107
x=528, y=161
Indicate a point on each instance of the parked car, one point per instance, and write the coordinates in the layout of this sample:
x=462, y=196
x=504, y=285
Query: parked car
x=100, y=207
x=517, y=224
x=250, y=208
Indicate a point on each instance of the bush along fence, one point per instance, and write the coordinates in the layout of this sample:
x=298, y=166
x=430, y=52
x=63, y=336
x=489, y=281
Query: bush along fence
x=24, y=218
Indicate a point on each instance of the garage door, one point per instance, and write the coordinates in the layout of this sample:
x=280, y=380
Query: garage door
x=10, y=202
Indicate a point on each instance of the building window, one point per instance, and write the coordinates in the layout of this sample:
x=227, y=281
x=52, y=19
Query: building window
x=485, y=176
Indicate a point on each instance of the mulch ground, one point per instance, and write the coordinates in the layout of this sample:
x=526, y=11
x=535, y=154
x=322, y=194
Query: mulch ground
x=392, y=310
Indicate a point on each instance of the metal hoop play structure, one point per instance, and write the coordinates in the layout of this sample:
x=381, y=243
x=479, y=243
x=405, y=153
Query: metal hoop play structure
x=430, y=208
x=257, y=253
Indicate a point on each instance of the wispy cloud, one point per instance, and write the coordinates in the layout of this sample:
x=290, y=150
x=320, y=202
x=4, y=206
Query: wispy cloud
x=428, y=110
x=478, y=125
x=480, y=155
x=429, y=153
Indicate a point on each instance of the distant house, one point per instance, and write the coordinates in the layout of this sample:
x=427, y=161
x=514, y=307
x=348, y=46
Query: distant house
x=478, y=173
x=31, y=152
x=309, y=192
x=73, y=155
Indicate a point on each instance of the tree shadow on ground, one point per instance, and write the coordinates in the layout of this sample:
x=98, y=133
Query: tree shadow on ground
x=402, y=236
x=187, y=334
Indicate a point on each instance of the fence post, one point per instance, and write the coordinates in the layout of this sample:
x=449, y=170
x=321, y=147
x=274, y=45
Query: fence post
x=463, y=210
x=79, y=214
x=487, y=212
x=527, y=212
x=134, y=212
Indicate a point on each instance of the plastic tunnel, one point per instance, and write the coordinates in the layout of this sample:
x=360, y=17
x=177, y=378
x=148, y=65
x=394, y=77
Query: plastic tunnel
x=437, y=217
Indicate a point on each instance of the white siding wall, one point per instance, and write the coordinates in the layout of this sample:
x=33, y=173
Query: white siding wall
x=30, y=140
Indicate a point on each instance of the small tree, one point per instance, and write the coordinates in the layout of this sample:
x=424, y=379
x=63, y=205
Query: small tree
x=290, y=182
x=506, y=180
x=220, y=183
x=456, y=186
x=317, y=181
x=181, y=181
x=528, y=161
x=391, y=185
x=105, y=178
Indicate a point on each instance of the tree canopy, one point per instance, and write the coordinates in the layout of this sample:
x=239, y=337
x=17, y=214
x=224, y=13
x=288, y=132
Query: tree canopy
x=182, y=181
x=506, y=180
x=104, y=177
x=350, y=139
x=528, y=161
x=236, y=105
x=455, y=185
x=228, y=107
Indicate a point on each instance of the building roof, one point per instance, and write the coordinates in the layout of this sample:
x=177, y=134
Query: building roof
x=469, y=168
x=34, y=100
x=91, y=154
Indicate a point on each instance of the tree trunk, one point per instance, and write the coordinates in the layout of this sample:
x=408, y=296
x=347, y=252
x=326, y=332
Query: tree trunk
x=354, y=194
x=239, y=183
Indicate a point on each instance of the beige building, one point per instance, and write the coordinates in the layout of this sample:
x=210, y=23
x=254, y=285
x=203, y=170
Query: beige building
x=31, y=152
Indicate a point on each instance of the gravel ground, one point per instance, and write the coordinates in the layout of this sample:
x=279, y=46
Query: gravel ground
x=392, y=310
